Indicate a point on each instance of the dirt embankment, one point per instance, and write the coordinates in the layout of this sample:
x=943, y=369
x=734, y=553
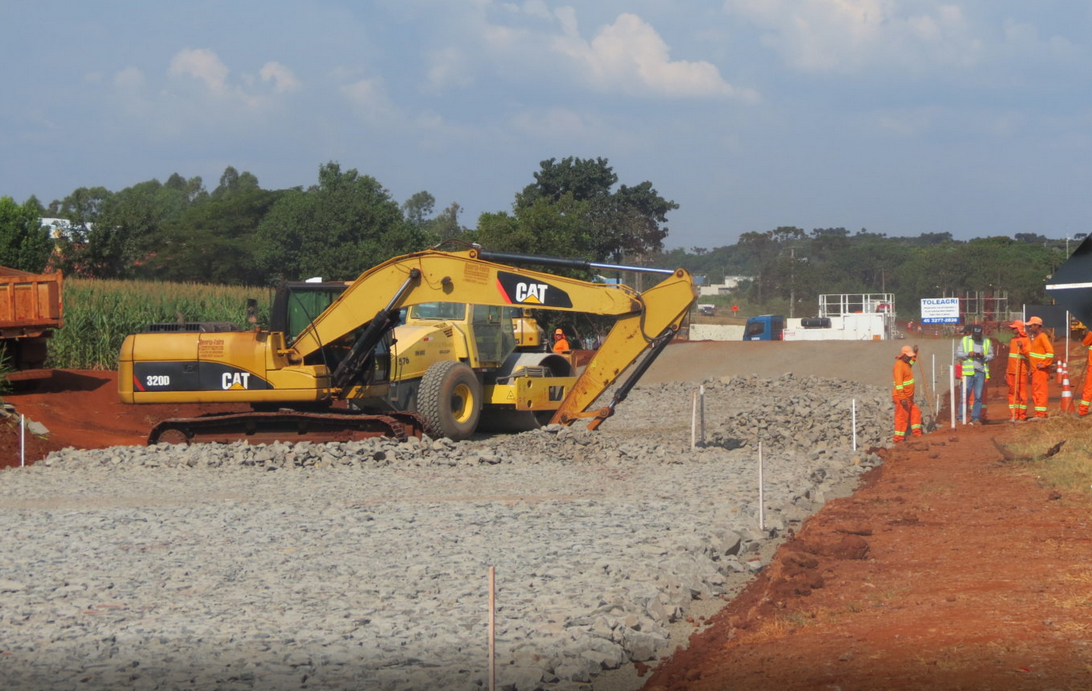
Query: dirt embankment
x=949, y=569
x=80, y=408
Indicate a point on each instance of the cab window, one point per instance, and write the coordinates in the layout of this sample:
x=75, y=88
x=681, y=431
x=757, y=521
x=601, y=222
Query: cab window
x=453, y=311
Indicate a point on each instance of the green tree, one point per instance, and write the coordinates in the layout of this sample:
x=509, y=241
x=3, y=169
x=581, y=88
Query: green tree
x=113, y=234
x=418, y=209
x=193, y=190
x=584, y=179
x=129, y=230
x=213, y=241
x=554, y=228
x=336, y=229
x=24, y=243
x=628, y=222
x=446, y=224
x=232, y=181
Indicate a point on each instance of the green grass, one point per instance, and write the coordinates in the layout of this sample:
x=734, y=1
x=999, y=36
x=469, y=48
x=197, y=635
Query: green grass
x=1070, y=469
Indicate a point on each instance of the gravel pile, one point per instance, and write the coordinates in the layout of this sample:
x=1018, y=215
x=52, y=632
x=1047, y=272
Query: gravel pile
x=365, y=564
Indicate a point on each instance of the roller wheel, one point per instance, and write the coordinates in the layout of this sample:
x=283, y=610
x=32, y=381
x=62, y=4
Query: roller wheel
x=450, y=400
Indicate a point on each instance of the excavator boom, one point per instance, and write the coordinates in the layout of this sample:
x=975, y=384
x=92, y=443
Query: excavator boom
x=465, y=277
x=433, y=276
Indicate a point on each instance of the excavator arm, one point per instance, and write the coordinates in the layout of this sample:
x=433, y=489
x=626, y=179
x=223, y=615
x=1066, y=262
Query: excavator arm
x=376, y=296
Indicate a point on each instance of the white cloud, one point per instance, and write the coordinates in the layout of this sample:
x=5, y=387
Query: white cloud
x=571, y=127
x=449, y=68
x=199, y=91
x=554, y=123
x=631, y=57
x=129, y=78
x=283, y=79
x=910, y=122
x=537, y=8
x=206, y=68
x=369, y=99
x=850, y=35
x=203, y=65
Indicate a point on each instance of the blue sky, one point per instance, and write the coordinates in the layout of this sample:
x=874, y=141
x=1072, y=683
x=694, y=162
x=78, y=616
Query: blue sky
x=899, y=116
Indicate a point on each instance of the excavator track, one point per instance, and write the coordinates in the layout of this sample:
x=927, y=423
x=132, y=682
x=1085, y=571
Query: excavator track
x=287, y=426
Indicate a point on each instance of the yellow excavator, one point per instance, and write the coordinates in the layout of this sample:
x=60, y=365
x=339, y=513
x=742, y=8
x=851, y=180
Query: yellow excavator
x=335, y=365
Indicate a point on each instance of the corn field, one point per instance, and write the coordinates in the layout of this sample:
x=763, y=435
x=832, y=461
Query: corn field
x=98, y=315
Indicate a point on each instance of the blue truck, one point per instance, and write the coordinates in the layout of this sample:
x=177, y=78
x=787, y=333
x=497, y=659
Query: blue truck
x=767, y=327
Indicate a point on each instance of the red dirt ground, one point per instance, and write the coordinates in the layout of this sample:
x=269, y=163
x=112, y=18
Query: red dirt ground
x=948, y=569
x=81, y=409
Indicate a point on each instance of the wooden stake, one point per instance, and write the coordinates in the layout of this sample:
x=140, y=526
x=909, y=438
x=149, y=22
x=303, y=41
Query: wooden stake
x=492, y=628
x=761, y=492
x=854, y=424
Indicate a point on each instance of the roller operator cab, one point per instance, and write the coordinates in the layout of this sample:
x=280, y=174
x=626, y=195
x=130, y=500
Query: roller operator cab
x=423, y=342
x=767, y=327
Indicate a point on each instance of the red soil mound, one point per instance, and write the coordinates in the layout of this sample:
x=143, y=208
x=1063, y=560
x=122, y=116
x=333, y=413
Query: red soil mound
x=81, y=409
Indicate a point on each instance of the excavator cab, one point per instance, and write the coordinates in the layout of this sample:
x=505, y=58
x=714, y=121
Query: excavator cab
x=296, y=304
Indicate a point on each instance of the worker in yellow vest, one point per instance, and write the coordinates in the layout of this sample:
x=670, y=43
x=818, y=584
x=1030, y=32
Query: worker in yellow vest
x=974, y=353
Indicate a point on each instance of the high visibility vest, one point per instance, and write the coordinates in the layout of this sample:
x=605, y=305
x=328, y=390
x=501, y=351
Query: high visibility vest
x=968, y=364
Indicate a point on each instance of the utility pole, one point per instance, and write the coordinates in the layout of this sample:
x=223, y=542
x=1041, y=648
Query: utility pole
x=792, y=281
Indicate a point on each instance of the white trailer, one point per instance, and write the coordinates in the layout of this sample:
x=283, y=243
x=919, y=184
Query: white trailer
x=847, y=317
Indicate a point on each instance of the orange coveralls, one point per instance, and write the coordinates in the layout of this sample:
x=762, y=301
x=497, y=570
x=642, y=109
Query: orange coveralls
x=1040, y=357
x=1016, y=375
x=905, y=415
x=1086, y=396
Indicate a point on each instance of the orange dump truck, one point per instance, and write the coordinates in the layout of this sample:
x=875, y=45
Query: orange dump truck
x=31, y=310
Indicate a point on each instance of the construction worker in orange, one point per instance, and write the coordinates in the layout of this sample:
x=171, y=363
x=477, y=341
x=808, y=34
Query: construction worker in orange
x=1040, y=359
x=1086, y=395
x=561, y=344
x=1016, y=374
x=907, y=412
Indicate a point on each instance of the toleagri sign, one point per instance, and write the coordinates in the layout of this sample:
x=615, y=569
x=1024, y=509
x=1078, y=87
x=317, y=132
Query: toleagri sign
x=519, y=290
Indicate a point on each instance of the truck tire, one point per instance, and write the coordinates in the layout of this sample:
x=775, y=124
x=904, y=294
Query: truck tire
x=450, y=400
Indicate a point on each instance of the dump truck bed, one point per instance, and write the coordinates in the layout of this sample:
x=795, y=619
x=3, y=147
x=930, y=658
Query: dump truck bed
x=30, y=304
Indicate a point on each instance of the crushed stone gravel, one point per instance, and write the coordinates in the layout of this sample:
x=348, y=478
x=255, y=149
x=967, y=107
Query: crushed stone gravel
x=365, y=564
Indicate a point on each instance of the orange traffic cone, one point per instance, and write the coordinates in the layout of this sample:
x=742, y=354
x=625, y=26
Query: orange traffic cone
x=1067, y=393
x=1059, y=368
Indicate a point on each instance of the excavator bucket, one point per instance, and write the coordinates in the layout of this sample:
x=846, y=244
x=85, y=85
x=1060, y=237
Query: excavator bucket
x=1071, y=284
